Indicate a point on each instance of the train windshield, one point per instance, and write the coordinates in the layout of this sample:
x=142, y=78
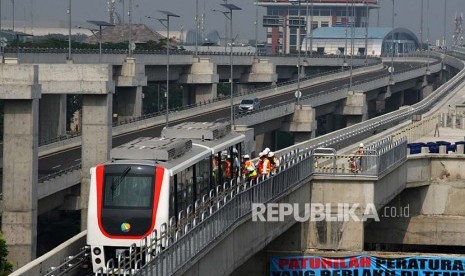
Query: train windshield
x=128, y=190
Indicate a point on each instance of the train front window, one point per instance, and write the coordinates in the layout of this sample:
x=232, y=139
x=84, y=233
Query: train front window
x=132, y=190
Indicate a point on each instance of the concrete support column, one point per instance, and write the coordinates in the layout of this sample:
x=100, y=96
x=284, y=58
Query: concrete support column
x=52, y=122
x=202, y=77
x=426, y=91
x=302, y=123
x=453, y=119
x=129, y=102
x=335, y=235
x=355, y=108
x=263, y=141
x=261, y=71
x=249, y=143
x=21, y=92
x=96, y=140
x=462, y=121
x=205, y=92
x=129, y=82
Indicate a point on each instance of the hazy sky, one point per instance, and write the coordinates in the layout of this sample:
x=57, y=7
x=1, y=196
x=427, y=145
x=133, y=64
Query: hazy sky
x=408, y=14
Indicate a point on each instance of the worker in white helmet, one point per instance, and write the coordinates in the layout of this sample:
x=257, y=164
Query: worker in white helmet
x=274, y=162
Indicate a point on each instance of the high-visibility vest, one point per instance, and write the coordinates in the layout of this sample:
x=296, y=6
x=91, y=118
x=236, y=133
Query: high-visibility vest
x=266, y=166
x=251, y=174
x=227, y=170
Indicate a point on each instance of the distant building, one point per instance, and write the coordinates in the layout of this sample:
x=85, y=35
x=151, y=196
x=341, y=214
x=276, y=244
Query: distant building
x=332, y=40
x=280, y=14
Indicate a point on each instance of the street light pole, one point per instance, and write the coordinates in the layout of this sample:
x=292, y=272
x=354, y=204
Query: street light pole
x=167, y=20
x=311, y=28
x=352, y=31
x=344, y=63
x=427, y=35
x=13, y=2
x=421, y=27
x=366, y=33
x=197, y=27
x=391, y=73
x=306, y=29
x=69, y=30
x=229, y=15
x=256, y=28
x=130, y=28
x=298, y=55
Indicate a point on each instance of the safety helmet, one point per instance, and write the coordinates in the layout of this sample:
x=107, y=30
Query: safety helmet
x=361, y=145
x=270, y=154
x=266, y=150
x=246, y=156
x=261, y=154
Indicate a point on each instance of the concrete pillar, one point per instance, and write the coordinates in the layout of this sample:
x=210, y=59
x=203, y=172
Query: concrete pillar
x=426, y=91
x=203, y=78
x=335, y=235
x=266, y=140
x=443, y=149
x=460, y=148
x=129, y=102
x=205, y=92
x=300, y=137
x=302, y=123
x=21, y=92
x=355, y=108
x=261, y=71
x=453, y=119
x=96, y=140
x=52, y=122
x=249, y=143
x=462, y=121
x=424, y=150
x=129, y=82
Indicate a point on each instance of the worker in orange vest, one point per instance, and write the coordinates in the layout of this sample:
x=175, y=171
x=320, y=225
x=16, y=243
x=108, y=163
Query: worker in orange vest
x=265, y=165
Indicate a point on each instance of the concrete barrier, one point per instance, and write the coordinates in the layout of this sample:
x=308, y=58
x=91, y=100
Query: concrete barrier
x=54, y=258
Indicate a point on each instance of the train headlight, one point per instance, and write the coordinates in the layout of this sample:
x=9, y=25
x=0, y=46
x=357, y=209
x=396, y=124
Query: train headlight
x=97, y=251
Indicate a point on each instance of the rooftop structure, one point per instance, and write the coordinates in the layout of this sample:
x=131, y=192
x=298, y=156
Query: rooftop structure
x=332, y=40
x=285, y=38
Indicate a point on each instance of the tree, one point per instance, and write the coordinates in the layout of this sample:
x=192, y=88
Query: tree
x=6, y=267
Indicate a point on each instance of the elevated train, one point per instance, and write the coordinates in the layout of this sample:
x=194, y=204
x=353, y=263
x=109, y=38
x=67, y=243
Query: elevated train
x=148, y=181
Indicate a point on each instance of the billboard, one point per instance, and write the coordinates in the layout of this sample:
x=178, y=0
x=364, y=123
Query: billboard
x=364, y=265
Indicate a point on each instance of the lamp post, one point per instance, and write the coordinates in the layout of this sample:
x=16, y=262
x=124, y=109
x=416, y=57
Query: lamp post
x=391, y=69
x=306, y=29
x=421, y=27
x=13, y=3
x=229, y=16
x=427, y=36
x=69, y=29
x=366, y=33
x=344, y=63
x=162, y=21
x=311, y=28
x=130, y=28
x=100, y=24
x=256, y=28
x=197, y=27
x=352, y=33
x=298, y=93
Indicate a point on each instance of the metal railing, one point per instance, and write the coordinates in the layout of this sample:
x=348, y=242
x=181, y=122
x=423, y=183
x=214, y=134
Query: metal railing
x=59, y=173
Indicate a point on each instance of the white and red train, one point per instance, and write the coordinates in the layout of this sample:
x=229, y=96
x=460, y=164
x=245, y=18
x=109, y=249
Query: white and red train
x=148, y=181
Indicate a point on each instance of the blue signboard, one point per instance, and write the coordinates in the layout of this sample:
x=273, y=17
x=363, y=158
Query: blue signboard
x=364, y=265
